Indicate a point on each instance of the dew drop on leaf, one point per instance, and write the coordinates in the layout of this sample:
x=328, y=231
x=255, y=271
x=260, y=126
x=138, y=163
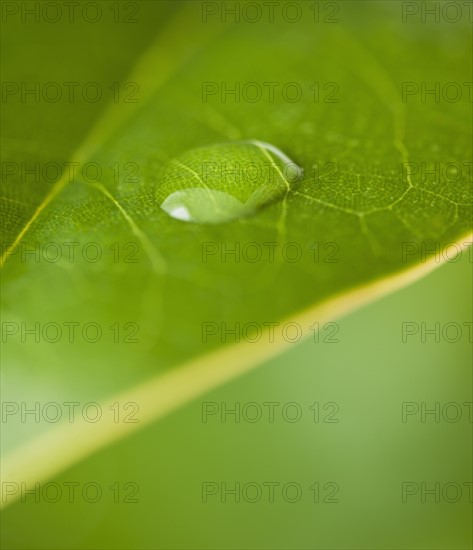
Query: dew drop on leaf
x=225, y=181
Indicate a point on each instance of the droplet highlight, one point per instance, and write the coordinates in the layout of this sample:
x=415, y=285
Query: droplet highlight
x=225, y=181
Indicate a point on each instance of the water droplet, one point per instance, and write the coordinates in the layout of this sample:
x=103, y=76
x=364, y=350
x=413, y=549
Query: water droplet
x=225, y=181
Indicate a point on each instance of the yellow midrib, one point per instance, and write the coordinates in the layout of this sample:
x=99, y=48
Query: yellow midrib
x=66, y=444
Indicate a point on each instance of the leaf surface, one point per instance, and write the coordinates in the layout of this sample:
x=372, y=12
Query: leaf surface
x=331, y=243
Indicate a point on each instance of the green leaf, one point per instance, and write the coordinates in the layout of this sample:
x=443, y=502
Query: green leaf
x=99, y=258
